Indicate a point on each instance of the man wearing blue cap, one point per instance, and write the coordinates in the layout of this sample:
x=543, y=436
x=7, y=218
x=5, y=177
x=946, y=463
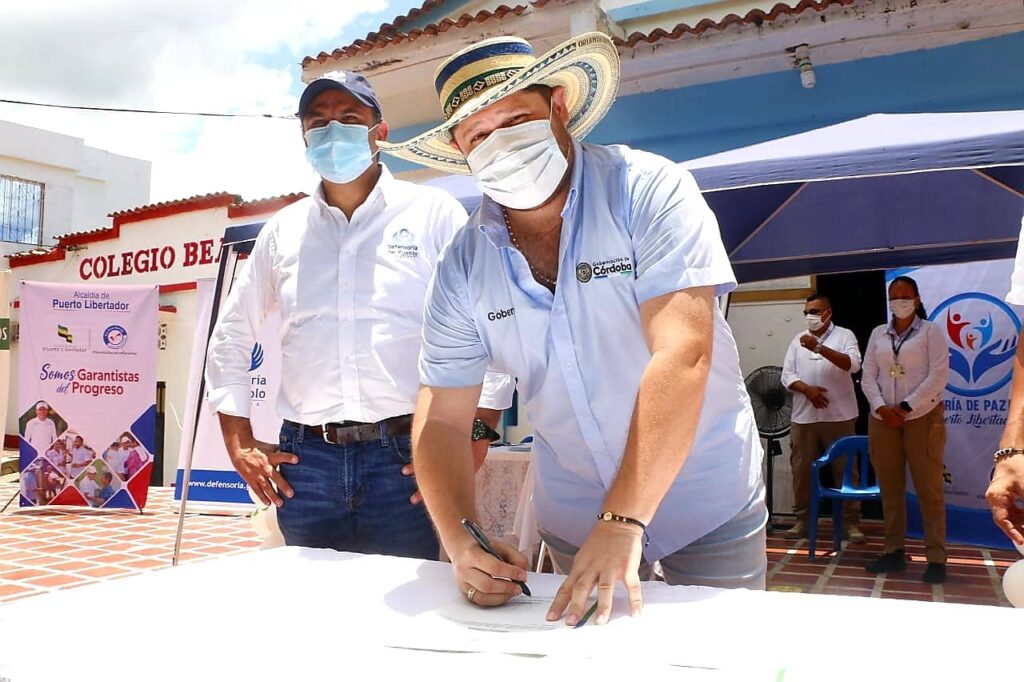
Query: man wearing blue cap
x=347, y=269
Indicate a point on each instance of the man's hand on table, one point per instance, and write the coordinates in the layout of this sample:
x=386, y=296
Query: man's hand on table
x=610, y=555
x=257, y=463
x=475, y=568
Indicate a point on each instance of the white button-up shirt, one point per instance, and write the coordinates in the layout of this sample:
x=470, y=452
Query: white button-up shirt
x=924, y=358
x=350, y=294
x=635, y=227
x=815, y=370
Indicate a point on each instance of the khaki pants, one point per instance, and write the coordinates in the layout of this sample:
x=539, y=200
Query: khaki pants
x=808, y=442
x=919, y=444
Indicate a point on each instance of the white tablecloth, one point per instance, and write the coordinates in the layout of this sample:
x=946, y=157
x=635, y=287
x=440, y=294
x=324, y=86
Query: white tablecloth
x=295, y=614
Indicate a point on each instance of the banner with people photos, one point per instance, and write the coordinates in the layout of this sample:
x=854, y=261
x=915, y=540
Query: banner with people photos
x=967, y=301
x=87, y=394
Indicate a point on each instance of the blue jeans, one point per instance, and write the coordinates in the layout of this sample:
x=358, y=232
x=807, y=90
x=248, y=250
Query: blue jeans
x=732, y=555
x=354, y=497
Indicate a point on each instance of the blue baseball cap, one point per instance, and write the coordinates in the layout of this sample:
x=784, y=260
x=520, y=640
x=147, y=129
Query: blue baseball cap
x=346, y=81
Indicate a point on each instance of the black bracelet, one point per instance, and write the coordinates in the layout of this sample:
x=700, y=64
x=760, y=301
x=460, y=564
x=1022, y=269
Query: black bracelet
x=611, y=516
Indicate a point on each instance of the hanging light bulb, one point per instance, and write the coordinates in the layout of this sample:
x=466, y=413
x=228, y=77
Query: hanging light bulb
x=802, y=61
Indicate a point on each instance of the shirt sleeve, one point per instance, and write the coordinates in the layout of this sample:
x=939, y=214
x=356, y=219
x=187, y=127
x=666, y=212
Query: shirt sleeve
x=252, y=299
x=789, y=375
x=676, y=238
x=450, y=217
x=1016, y=295
x=452, y=354
x=869, y=380
x=497, y=391
x=929, y=391
x=852, y=351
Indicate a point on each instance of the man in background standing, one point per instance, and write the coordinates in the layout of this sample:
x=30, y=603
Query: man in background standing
x=817, y=369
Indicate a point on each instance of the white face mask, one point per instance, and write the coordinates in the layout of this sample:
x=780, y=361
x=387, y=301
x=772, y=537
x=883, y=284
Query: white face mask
x=902, y=308
x=521, y=166
x=814, y=322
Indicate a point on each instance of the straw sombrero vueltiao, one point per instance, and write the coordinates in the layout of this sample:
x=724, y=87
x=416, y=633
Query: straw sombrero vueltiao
x=587, y=66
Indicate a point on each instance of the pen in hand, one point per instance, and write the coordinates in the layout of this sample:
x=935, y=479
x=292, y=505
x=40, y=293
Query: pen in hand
x=485, y=545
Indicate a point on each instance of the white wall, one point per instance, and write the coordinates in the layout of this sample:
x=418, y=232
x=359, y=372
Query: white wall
x=763, y=332
x=81, y=184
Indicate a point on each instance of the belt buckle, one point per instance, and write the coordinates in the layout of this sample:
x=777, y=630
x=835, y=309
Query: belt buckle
x=325, y=434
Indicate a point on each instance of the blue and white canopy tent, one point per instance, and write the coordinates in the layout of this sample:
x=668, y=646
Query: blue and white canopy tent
x=876, y=192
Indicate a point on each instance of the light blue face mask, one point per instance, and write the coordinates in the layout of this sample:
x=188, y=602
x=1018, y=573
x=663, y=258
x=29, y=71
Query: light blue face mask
x=339, y=152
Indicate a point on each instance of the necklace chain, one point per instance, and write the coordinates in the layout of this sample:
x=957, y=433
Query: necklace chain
x=515, y=242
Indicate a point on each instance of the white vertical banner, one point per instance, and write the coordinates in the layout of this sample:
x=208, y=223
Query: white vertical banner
x=5, y=348
x=87, y=394
x=214, y=484
x=966, y=300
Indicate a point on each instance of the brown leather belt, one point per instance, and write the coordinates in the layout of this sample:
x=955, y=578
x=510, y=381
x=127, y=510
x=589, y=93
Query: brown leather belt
x=343, y=433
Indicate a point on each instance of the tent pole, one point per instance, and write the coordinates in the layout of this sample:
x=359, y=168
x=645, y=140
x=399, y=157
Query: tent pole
x=227, y=253
x=999, y=183
x=769, y=219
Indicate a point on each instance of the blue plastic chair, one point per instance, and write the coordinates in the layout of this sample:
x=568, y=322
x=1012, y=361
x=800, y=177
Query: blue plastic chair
x=856, y=450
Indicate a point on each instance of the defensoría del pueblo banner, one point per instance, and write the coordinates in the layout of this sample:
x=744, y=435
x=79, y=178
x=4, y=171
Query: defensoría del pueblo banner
x=87, y=391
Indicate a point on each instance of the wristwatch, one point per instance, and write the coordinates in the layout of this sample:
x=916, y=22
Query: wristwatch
x=818, y=347
x=482, y=431
x=1004, y=453
x=905, y=406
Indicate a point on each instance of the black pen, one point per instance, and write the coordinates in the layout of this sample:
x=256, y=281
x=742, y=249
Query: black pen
x=485, y=545
x=586, y=616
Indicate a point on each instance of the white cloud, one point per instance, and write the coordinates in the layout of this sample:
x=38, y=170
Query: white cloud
x=233, y=56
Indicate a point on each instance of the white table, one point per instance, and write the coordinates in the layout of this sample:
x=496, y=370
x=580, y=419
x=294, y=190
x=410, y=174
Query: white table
x=295, y=614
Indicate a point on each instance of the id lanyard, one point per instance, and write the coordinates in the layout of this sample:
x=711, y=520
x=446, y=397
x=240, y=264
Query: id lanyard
x=897, y=369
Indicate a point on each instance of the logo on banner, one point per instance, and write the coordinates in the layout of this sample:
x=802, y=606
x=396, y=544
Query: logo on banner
x=64, y=333
x=115, y=337
x=256, y=357
x=257, y=382
x=982, y=337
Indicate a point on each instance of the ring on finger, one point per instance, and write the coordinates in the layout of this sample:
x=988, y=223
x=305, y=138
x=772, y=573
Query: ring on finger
x=470, y=593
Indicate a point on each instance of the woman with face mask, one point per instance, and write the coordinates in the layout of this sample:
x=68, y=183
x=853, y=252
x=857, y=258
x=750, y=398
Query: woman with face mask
x=906, y=365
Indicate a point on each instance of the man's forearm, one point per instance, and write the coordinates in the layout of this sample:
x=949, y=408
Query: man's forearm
x=840, y=360
x=445, y=476
x=660, y=434
x=798, y=386
x=237, y=431
x=1013, y=432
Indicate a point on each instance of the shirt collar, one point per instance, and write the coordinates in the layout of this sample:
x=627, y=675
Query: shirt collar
x=386, y=189
x=915, y=325
x=492, y=219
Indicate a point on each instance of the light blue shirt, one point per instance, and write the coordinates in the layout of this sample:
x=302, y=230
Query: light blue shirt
x=635, y=226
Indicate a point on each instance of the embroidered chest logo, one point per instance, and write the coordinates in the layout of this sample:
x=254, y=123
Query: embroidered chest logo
x=403, y=245
x=500, y=314
x=621, y=266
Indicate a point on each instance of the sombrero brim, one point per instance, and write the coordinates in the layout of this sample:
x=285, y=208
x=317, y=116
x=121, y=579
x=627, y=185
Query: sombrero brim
x=587, y=66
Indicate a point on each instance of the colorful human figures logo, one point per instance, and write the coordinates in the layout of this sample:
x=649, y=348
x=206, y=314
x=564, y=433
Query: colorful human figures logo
x=982, y=333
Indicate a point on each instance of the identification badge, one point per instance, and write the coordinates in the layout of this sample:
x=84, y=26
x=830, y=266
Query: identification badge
x=897, y=371
x=815, y=356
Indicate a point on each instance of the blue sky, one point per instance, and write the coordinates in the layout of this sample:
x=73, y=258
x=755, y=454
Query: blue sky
x=236, y=56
